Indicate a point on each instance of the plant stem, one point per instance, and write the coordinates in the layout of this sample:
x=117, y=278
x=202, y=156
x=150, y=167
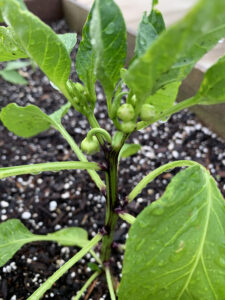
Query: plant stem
x=110, y=284
x=47, y=167
x=94, y=175
x=111, y=217
x=51, y=280
x=127, y=217
x=103, y=132
x=176, y=108
x=94, y=124
x=152, y=175
x=86, y=285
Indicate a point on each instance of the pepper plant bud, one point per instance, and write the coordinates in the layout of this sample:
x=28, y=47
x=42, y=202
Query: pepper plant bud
x=128, y=127
x=133, y=100
x=147, y=112
x=90, y=145
x=126, y=112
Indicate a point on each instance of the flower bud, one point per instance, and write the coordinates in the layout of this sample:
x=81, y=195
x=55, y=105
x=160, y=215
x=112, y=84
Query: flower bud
x=90, y=145
x=147, y=112
x=126, y=112
x=128, y=127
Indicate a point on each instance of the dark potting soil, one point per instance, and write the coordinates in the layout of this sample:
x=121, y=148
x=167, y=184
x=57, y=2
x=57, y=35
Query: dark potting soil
x=48, y=202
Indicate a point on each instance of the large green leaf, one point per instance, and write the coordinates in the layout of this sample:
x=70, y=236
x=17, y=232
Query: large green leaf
x=39, y=41
x=176, y=247
x=30, y=120
x=108, y=36
x=13, y=235
x=144, y=74
x=85, y=58
x=165, y=97
x=10, y=49
x=69, y=40
x=212, y=89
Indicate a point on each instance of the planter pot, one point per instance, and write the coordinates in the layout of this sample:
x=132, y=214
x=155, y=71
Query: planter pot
x=46, y=10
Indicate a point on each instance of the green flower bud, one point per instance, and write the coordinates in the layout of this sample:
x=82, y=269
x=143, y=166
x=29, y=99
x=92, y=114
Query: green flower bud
x=147, y=112
x=90, y=145
x=128, y=127
x=133, y=100
x=126, y=112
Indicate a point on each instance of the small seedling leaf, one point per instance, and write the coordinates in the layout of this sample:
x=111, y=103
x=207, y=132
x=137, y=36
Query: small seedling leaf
x=25, y=121
x=176, y=247
x=212, y=90
x=13, y=235
x=128, y=150
x=14, y=65
x=40, y=42
x=85, y=59
x=13, y=77
x=108, y=37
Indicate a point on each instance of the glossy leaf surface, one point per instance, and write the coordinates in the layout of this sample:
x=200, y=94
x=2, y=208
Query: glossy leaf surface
x=108, y=37
x=212, y=89
x=144, y=74
x=85, y=58
x=10, y=50
x=176, y=247
x=13, y=235
x=39, y=41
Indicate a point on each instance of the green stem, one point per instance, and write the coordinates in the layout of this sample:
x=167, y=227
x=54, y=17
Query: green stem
x=174, y=109
x=127, y=217
x=47, y=167
x=86, y=285
x=103, y=132
x=111, y=217
x=96, y=257
x=94, y=175
x=94, y=124
x=110, y=284
x=152, y=175
x=51, y=280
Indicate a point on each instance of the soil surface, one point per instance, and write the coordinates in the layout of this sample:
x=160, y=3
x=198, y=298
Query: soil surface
x=50, y=201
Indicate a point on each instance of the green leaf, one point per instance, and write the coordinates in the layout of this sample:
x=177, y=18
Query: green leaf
x=108, y=37
x=60, y=113
x=30, y=120
x=165, y=97
x=24, y=121
x=10, y=49
x=176, y=247
x=212, y=89
x=144, y=74
x=129, y=149
x=157, y=21
x=85, y=58
x=184, y=65
x=13, y=235
x=69, y=40
x=13, y=77
x=73, y=236
x=40, y=42
x=145, y=37
x=14, y=65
